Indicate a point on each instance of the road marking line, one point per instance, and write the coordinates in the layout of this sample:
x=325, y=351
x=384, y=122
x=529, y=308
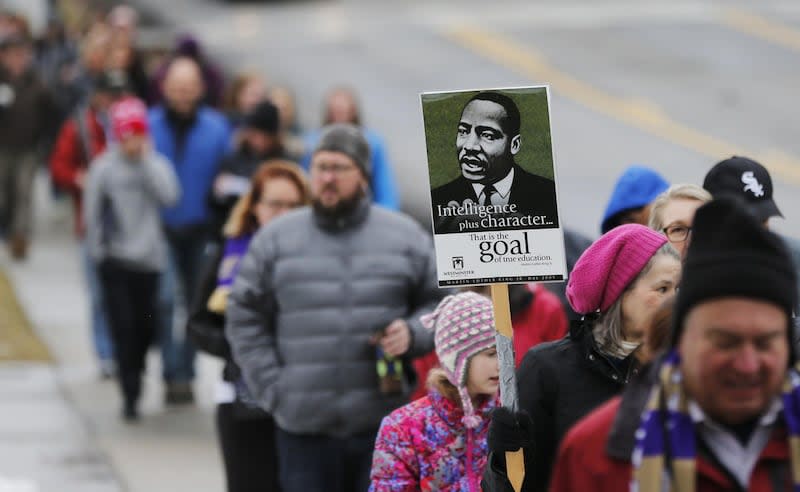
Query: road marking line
x=642, y=114
x=761, y=27
x=587, y=14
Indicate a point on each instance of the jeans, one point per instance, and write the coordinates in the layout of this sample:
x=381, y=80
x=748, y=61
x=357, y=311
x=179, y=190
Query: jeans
x=324, y=464
x=101, y=337
x=130, y=299
x=176, y=287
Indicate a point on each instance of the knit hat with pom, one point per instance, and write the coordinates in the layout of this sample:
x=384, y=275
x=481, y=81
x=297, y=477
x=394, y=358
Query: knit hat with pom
x=606, y=268
x=463, y=326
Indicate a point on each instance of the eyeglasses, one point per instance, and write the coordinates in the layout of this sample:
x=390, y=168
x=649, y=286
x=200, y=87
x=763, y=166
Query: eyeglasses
x=336, y=169
x=677, y=233
x=280, y=204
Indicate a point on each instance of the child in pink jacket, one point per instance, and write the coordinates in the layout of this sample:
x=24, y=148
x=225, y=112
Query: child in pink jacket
x=439, y=442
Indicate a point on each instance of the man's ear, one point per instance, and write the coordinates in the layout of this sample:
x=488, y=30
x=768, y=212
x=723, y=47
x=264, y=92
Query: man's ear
x=515, y=144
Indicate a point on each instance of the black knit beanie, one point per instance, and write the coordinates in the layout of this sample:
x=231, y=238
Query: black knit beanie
x=264, y=117
x=733, y=254
x=349, y=140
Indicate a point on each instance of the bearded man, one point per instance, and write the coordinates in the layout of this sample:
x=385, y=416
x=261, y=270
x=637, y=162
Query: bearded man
x=318, y=287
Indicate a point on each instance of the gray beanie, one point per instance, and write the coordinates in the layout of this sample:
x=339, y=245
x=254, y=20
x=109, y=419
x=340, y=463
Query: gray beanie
x=349, y=140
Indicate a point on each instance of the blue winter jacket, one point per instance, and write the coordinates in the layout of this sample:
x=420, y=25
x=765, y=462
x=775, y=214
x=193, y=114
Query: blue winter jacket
x=196, y=165
x=384, y=188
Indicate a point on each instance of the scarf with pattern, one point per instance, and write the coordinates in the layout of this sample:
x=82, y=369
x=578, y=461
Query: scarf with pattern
x=235, y=249
x=664, y=455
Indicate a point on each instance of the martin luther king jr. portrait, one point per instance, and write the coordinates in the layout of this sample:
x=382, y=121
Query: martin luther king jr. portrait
x=487, y=140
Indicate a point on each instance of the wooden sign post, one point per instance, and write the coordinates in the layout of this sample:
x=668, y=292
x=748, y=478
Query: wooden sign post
x=515, y=460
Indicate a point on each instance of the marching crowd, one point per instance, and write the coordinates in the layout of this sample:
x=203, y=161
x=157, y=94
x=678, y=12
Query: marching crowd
x=207, y=220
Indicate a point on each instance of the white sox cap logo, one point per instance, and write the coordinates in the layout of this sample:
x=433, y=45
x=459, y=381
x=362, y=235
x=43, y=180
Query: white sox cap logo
x=752, y=184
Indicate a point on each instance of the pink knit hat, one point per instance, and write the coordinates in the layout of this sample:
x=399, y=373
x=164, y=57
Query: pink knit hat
x=606, y=268
x=464, y=326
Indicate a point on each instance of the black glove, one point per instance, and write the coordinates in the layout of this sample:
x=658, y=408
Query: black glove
x=510, y=431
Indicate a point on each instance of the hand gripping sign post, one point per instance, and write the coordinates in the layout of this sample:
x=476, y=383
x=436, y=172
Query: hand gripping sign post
x=494, y=204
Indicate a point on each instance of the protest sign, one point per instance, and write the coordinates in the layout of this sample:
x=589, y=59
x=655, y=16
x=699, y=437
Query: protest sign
x=494, y=205
x=493, y=188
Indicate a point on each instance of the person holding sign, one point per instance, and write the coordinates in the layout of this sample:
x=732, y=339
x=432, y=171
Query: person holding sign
x=487, y=140
x=618, y=283
x=439, y=442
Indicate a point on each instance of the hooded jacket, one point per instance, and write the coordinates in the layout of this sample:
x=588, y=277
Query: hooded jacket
x=121, y=209
x=423, y=446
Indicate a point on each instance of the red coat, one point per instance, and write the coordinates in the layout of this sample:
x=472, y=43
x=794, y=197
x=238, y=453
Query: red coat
x=584, y=463
x=542, y=321
x=68, y=159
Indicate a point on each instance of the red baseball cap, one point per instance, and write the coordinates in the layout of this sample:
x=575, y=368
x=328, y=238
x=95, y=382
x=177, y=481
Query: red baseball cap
x=129, y=117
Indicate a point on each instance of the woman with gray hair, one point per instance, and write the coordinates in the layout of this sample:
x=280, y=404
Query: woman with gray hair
x=672, y=213
x=618, y=283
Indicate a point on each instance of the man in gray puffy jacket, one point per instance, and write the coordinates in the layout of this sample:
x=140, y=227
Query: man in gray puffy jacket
x=315, y=288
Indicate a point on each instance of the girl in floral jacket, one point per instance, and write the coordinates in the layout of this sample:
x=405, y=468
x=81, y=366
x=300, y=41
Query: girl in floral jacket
x=439, y=442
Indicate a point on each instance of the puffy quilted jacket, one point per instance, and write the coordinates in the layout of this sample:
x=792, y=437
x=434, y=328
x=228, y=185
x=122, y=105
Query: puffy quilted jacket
x=309, y=295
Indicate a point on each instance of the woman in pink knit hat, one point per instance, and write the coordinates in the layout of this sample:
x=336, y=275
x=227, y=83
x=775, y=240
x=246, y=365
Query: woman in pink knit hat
x=618, y=283
x=439, y=442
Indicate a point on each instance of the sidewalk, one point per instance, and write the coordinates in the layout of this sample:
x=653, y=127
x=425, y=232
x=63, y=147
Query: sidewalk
x=44, y=444
x=59, y=423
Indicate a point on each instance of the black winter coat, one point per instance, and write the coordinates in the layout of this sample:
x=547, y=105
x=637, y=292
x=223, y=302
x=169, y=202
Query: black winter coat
x=206, y=329
x=243, y=163
x=559, y=383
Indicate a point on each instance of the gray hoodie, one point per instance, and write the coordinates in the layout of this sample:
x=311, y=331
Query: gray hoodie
x=122, y=208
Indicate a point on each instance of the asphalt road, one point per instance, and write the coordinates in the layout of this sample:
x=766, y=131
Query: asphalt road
x=677, y=85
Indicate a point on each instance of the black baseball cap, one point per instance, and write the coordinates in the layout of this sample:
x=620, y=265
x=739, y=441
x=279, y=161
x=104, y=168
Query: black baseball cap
x=746, y=179
x=264, y=117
